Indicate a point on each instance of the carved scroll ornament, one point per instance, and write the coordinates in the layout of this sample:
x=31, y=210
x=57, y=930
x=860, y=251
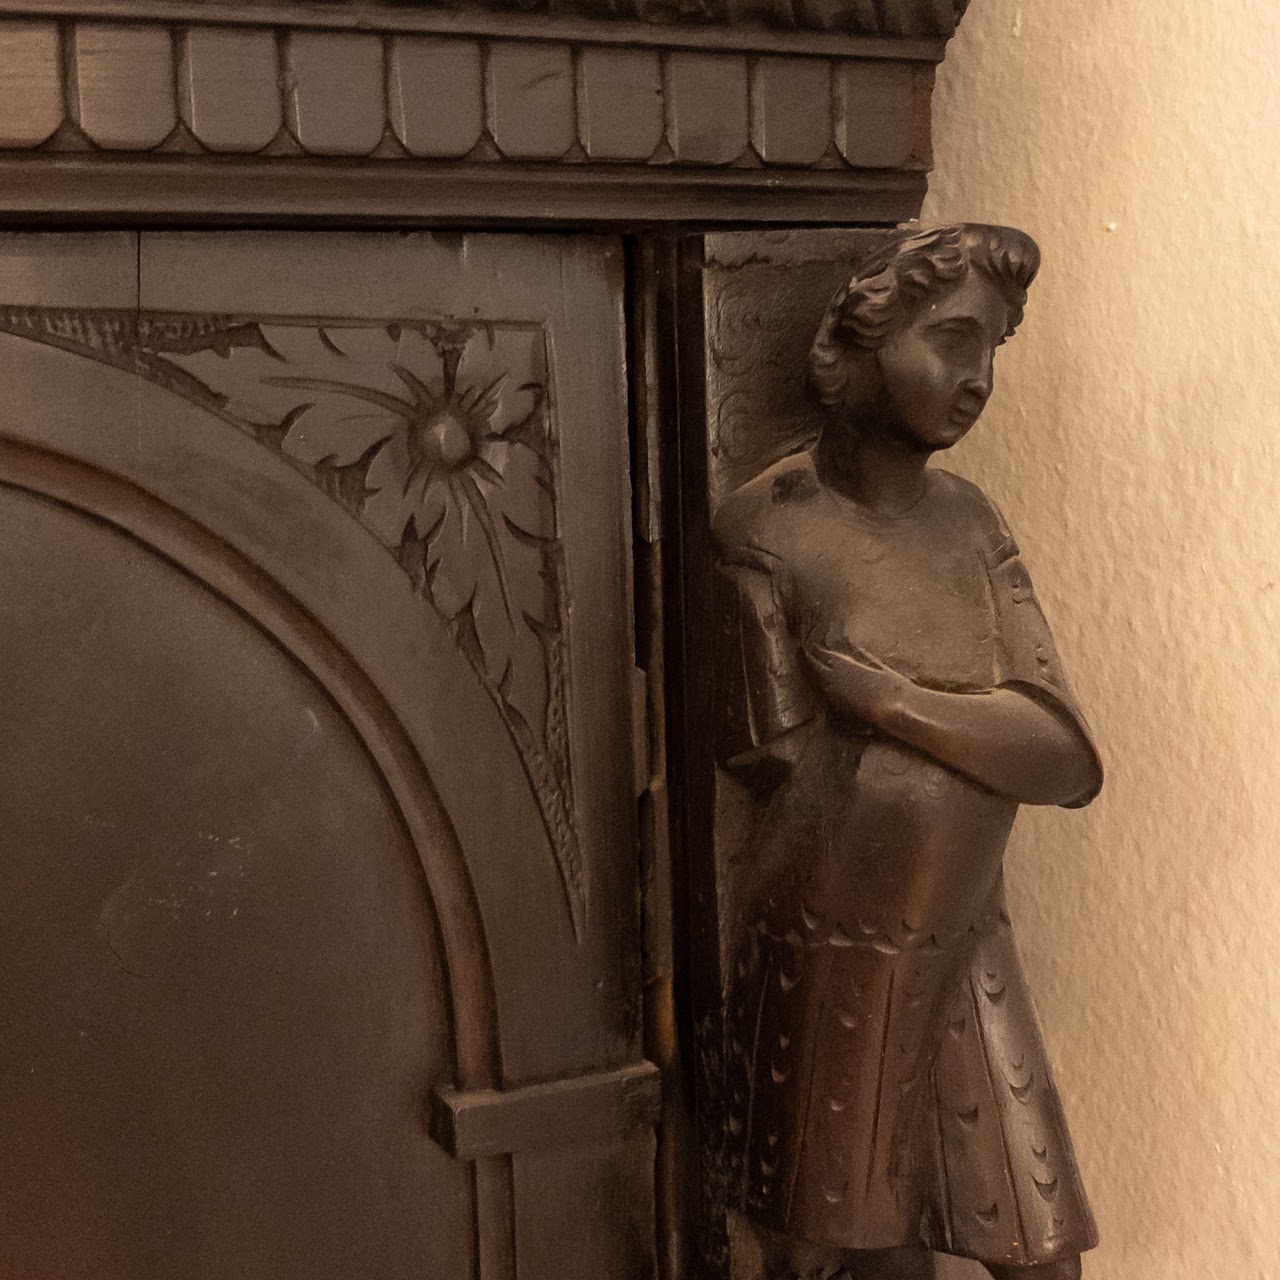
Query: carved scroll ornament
x=898, y=696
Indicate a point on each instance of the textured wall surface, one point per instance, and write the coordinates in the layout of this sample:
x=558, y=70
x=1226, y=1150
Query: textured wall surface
x=1134, y=444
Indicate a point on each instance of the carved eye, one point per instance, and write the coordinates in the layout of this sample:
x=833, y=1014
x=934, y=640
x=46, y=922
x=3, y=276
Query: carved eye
x=958, y=340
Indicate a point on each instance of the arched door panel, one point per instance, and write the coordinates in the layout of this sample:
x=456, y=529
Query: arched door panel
x=397, y=465
x=224, y=1001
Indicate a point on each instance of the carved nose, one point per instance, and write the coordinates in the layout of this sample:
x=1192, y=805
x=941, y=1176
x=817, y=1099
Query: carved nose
x=975, y=392
x=978, y=378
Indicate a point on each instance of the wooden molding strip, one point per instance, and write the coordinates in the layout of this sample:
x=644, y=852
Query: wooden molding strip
x=118, y=117
x=539, y=1117
x=927, y=45
x=59, y=189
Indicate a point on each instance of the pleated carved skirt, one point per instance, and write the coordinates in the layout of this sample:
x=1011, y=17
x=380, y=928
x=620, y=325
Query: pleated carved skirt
x=887, y=1080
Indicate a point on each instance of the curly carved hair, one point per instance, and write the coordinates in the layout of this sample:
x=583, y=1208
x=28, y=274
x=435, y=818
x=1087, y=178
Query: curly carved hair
x=889, y=289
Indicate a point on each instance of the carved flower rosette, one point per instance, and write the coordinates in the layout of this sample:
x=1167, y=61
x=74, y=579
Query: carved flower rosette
x=438, y=435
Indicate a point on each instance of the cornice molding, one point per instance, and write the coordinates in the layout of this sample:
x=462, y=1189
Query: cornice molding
x=133, y=118
x=895, y=19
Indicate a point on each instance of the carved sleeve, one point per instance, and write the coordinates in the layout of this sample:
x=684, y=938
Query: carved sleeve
x=1027, y=656
x=764, y=694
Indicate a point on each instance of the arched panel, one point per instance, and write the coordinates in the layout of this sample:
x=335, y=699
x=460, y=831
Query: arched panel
x=225, y=1000
x=286, y=393
x=298, y=422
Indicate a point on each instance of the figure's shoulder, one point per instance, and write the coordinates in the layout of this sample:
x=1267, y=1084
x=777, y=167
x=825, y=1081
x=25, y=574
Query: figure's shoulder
x=966, y=504
x=755, y=515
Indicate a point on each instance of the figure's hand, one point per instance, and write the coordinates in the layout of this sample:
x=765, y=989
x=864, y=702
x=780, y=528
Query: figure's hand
x=854, y=682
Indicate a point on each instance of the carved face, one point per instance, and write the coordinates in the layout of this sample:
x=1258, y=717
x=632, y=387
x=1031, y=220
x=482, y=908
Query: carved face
x=936, y=370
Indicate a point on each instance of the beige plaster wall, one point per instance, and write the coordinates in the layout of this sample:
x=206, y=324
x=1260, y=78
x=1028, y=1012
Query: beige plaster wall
x=1134, y=444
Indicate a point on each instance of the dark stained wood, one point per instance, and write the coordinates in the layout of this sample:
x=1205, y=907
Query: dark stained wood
x=790, y=109
x=31, y=101
x=620, y=112
x=530, y=94
x=436, y=92
x=876, y=114
x=618, y=1192
x=460, y=116
x=73, y=190
x=875, y=917
x=733, y=345
x=934, y=19
x=560, y=1113
x=162, y=390
x=226, y=94
x=221, y=1059
x=707, y=107
x=334, y=92
x=325, y=536
x=124, y=95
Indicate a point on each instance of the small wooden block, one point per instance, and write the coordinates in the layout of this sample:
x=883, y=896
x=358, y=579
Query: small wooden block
x=530, y=92
x=577, y=1112
x=875, y=113
x=229, y=87
x=336, y=99
x=620, y=113
x=791, y=109
x=706, y=106
x=122, y=84
x=436, y=94
x=31, y=100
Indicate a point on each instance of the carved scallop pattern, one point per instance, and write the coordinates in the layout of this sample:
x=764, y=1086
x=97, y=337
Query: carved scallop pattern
x=620, y=113
x=530, y=93
x=393, y=95
x=437, y=95
x=334, y=93
x=707, y=106
x=791, y=110
x=31, y=102
x=228, y=88
x=122, y=89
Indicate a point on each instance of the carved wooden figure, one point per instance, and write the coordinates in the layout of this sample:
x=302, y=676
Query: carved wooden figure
x=900, y=697
x=358, y=864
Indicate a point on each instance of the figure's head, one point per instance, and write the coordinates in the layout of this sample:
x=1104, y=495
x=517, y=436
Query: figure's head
x=910, y=340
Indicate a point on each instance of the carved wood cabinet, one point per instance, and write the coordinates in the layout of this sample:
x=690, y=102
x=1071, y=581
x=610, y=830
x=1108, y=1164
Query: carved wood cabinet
x=367, y=373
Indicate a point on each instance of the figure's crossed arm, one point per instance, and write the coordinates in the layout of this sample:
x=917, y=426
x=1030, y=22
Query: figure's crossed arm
x=1005, y=739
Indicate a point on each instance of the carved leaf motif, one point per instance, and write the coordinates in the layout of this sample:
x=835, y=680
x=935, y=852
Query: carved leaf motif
x=436, y=434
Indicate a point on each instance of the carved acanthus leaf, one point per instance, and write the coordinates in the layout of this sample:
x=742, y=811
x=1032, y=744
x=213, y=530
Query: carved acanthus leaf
x=437, y=435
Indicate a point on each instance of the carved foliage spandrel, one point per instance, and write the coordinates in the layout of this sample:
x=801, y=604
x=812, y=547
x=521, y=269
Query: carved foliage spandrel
x=436, y=434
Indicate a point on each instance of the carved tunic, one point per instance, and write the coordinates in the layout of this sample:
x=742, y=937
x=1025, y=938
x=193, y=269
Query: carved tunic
x=887, y=1081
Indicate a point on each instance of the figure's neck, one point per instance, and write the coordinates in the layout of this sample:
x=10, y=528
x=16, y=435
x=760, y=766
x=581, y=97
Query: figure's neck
x=885, y=475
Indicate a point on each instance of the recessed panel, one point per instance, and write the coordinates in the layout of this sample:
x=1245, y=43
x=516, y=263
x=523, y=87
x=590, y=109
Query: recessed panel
x=223, y=1005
